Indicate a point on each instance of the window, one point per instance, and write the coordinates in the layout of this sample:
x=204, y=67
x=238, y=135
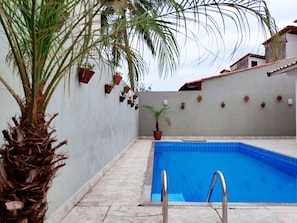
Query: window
x=254, y=63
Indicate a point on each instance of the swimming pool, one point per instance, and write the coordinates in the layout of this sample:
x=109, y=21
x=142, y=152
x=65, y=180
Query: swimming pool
x=251, y=174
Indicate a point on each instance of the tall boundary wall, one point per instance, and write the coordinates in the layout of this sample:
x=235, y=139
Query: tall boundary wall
x=96, y=125
x=238, y=117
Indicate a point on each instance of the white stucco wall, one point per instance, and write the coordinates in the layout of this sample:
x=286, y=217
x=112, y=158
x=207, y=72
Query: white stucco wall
x=292, y=73
x=291, y=45
x=97, y=126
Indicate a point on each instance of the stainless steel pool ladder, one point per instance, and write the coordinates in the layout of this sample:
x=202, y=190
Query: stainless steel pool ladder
x=224, y=193
x=164, y=197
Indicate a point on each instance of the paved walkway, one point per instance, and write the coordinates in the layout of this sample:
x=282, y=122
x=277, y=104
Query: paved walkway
x=117, y=197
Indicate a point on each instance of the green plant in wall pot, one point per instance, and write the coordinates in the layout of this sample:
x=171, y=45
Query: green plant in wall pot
x=158, y=114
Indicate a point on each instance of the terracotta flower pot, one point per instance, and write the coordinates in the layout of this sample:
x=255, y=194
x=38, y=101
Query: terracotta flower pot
x=199, y=98
x=126, y=89
x=157, y=135
x=122, y=98
x=182, y=106
x=117, y=78
x=85, y=75
x=108, y=88
x=135, y=96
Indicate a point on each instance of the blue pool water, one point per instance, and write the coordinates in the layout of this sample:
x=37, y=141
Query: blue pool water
x=251, y=174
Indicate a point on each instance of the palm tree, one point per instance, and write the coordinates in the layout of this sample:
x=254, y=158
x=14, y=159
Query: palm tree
x=38, y=34
x=158, y=115
x=168, y=19
x=157, y=34
x=47, y=40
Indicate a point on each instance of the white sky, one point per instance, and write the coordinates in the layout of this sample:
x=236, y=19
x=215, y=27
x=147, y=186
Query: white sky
x=283, y=11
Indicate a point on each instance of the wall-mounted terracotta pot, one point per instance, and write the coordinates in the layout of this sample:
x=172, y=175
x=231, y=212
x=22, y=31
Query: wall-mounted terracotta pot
x=279, y=97
x=223, y=104
x=246, y=98
x=126, y=89
x=108, y=88
x=263, y=104
x=182, y=106
x=129, y=101
x=117, y=78
x=84, y=75
x=199, y=98
x=122, y=98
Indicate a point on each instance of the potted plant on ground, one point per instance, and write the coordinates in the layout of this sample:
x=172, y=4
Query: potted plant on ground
x=158, y=114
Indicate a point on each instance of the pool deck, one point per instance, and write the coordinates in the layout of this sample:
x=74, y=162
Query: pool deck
x=118, y=196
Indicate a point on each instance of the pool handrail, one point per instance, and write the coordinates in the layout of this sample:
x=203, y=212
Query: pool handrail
x=164, y=197
x=224, y=193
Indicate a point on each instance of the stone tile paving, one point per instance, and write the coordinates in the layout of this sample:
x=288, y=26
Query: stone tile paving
x=116, y=197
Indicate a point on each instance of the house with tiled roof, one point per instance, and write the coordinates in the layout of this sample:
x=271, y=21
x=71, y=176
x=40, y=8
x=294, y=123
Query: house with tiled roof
x=270, y=109
x=287, y=49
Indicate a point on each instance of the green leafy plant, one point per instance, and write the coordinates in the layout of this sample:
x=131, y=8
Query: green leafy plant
x=158, y=114
x=88, y=66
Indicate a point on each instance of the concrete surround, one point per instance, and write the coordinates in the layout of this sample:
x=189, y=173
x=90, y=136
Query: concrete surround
x=110, y=201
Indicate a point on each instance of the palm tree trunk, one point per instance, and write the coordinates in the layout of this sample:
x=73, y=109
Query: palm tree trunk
x=27, y=167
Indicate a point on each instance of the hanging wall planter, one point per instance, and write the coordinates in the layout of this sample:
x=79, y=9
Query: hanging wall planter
x=246, y=98
x=223, y=104
x=122, y=98
x=182, y=106
x=129, y=101
x=135, y=96
x=85, y=74
x=117, y=78
x=279, y=98
x=126, y=89
x=136, y=106
x=263, y=104
x=199, y=98
x=108, y=88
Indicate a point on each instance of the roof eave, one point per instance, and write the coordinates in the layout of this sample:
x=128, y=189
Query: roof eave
x=281, y=71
